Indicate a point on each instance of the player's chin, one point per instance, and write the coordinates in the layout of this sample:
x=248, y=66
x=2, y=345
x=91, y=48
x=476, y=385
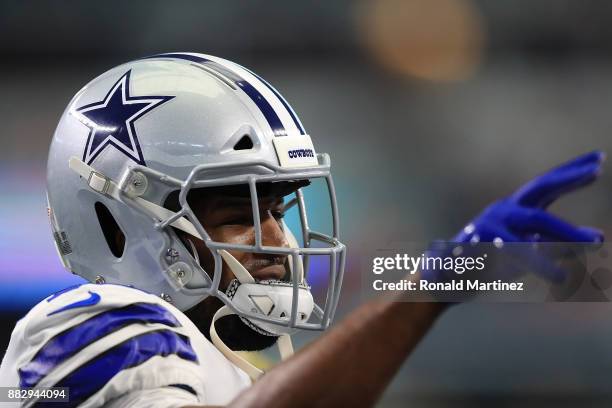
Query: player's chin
x=240, y=337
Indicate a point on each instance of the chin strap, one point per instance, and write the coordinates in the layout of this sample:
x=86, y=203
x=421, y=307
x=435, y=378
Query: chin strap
x=284, y=344
x=236, y=267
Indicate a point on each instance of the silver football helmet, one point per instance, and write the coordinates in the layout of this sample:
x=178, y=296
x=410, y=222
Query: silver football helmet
x=170, y=122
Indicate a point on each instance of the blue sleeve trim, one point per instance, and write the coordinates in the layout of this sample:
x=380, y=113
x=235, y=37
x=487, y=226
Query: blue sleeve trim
x=69, y=342
x=89, y=378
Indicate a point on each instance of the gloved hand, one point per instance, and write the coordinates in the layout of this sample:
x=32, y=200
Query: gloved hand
x=522, y=217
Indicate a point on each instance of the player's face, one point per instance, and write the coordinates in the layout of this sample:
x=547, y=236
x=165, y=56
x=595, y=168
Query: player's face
x=229, y=219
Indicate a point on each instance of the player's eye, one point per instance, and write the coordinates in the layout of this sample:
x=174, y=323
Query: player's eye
x=278, y=214
x=241, y=219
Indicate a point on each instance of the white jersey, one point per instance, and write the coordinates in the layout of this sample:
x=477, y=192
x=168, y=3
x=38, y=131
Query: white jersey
x=117, y=346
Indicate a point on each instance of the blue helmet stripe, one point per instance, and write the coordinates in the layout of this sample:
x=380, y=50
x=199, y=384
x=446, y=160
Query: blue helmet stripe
x=264, y=106
x=297, y=122
x=69, y=342
x=89, y=378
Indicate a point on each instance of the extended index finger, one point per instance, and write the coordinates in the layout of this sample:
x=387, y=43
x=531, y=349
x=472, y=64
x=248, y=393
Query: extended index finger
x=570, y=176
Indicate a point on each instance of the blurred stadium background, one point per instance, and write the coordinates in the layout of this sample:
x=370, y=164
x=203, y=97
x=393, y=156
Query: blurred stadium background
x=430, y=110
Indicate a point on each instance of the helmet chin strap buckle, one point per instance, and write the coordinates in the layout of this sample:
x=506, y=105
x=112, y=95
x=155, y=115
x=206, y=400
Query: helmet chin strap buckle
x=97, y=181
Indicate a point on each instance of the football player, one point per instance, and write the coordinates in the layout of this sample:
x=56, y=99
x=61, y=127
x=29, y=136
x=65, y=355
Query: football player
x=168, y=180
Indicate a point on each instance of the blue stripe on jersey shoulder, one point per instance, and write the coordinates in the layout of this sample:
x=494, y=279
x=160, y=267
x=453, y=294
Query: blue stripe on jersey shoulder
x=61, y=292
x=89, y=378
x=72, y=340
x=262, y=103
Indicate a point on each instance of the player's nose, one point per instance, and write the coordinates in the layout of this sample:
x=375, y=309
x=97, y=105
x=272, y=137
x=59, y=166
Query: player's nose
x=272, y=233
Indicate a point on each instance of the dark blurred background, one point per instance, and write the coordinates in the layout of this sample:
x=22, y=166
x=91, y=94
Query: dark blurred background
x=430, y=110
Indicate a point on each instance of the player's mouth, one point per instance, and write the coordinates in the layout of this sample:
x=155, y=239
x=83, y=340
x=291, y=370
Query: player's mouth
x=267, y=269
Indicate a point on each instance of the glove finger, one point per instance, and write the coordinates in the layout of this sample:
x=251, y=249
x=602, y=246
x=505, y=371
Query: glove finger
x=531, y=222
x=587, y=158
x=543, y=190
x=595, y=232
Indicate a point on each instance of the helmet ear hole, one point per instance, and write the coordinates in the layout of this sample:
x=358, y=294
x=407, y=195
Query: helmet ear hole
x=112, y=232
x=245, y=143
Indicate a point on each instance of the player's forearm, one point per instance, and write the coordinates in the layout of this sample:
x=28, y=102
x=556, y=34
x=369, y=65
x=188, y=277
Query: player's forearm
x=352, y=364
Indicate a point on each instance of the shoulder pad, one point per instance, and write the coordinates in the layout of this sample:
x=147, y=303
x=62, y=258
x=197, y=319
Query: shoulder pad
x=83, y=336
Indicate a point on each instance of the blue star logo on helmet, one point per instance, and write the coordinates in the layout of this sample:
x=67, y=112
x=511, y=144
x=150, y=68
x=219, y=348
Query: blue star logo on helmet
x=111, y=121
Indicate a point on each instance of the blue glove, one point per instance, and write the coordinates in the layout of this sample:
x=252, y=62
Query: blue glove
x=522, y=216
